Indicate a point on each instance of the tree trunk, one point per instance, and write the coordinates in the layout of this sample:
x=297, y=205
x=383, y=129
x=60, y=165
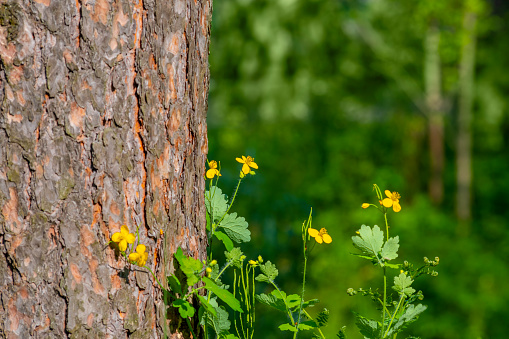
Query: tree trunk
x=434, y=105
x=464, y=135
x=103, y=107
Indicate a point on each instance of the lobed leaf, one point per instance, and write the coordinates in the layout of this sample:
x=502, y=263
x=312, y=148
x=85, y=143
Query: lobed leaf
x=269, y=271
x=236, y=228
x=216, y=203
x=234, y=256
x=368, y=328
x=390, y=249
x=185, y=308
x=411, y=314
x=369, y=241
x=402, y=284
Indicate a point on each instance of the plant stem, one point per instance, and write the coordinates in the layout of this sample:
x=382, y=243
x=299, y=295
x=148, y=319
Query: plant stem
x=311, y=318
x=394, y=314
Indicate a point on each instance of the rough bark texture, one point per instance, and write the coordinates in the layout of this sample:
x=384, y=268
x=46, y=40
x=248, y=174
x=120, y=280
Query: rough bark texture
x=102, y=123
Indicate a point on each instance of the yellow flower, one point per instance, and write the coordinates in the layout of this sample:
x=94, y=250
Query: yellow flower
x=392, y=200
x=248, y=163
x=213, y=171
x=320, y=236
x=252, y=262
x=140, y=257
x=365, y=205
x=260, y=259
x=123, y=237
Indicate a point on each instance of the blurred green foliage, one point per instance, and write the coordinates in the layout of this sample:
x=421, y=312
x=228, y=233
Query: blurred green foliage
x=329, y=98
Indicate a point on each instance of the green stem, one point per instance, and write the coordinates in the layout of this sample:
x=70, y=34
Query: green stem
x=311, y=318
x=231, y=203
x=385, y=301
x=190, y=328
x=284, y=299
x=394, y=314
x=157, y=280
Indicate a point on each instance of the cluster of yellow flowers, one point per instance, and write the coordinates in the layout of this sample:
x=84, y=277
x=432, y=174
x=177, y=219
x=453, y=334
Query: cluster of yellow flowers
x=392, y=200
x=247, y=164
x=123, y=238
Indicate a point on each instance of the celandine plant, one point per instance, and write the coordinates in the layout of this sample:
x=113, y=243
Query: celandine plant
x=201, y=295
x=399, y=310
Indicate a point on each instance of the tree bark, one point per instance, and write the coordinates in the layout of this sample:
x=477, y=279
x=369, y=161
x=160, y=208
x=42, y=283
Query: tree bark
x=102, y=123
x=464, y=135
x=434, y=104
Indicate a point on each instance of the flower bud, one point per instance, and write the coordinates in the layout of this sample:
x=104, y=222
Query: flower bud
x=252, y=262
x=208, y=269
x=365, y=205
x=260, y=259
x=213, y=262
x=351, y=292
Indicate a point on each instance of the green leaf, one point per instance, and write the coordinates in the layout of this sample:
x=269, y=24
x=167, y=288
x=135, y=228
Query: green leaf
x=228, y=243
x=174, y=284
x=307, y=325
x=190, y=266
x=411, y=314
x=222, y=294
x=402, y=284
x=293, y=300
x=272, y=301
x=368, y=328
x=322, y=319
x=185, y=308
x=219, y=323
x=216, y=203
x=341, y=334
x=234, y=256
x=310, y=303
x=369, y=241
x=390, y=249
x=269, y=271
x=206, y=305
x=287, y=327
x=395, y=266
x=236, y=228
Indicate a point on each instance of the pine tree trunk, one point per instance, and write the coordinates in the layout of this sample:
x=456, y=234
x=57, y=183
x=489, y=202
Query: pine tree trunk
x=434, y=105
x=102, y=123
x=464, y=135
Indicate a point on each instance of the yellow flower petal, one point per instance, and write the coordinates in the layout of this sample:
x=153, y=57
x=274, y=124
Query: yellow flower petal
x=116, y=237
x=312, y=232
x=124, y=230
x=130, y=238
x=319, y=239
x=327, y=238
x=211, y=173
x=245, y=169
x=253, y=164
x=387, y=201
x=140, y=248
x=242, y=161
x=365, y=205
x=388, y=193
x=122, y=245
x=396, y=207
x=134, y=256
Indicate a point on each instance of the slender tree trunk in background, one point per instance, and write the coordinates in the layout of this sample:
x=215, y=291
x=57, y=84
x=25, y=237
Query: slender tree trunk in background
x=434, y=104
x=464, y=134
x=102, y=123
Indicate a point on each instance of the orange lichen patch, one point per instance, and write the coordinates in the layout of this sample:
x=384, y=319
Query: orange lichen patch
x=14, y=118
x=171, y=82
x=77, y=116
x=163, y=162
x=138, y=17
x=116, y=283
x=21, y=98
x=47, y=322
x=7, y=52
x=87, y=237
x=14, y=316
x=90, y=319
x=16, y=74
x=152, y=62
x=121, y=314
x=10, y=212
x=98, y=287
x=75, y=271
x=101, y=9
x=174, y=45
x=23, y=292
x=113, y=44
x=44, y=2
x=114, y=208
x=68, y=56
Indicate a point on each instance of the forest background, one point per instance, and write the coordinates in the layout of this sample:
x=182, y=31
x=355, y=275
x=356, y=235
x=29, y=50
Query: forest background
x=333, y=96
